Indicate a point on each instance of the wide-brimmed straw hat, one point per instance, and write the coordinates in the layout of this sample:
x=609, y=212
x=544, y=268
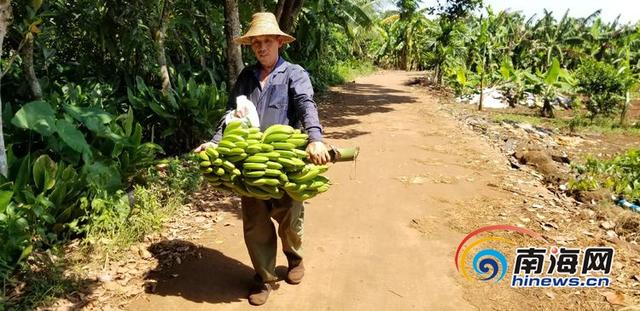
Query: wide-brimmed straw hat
x=263, y=24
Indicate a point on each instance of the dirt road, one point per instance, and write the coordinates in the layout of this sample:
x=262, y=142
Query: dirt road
x=379, y=239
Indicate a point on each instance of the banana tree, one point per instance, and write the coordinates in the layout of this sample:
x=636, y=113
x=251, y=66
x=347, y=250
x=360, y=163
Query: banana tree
x=549, y=85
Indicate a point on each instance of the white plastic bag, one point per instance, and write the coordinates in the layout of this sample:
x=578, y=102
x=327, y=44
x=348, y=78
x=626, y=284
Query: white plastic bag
x=246, y=108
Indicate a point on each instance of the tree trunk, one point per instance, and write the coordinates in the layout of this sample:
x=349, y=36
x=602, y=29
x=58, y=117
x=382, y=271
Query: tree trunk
x=159, y=35
x=231, y=31
x=625, y=109
x=481, y=90
x=6, y=17
x=286, y=13
x=547, y=109
x=27, y=66
x=484, y=61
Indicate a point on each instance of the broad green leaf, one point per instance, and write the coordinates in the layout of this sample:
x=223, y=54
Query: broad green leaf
x=22, y=177
x=553, y=73
x=36, y=116
x=102, y=176
x=461, y=76
x=72, y=137
x=93, y=118
x=5, y=199
x=25, y=253
x=128, y=123
x=44, y=172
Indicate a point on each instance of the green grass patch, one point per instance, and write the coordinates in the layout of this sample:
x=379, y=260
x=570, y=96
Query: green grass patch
x=133, y=215
x=577, y=124
x=349, y=70
x=620, y=175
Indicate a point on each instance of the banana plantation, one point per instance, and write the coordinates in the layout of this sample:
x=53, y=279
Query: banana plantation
x=103, y=101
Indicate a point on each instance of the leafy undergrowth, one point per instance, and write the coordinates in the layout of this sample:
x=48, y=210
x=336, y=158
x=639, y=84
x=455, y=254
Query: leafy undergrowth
x=620, y=175
x=127, y=219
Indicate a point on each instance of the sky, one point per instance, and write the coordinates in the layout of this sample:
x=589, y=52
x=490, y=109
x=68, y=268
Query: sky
x=628, y=9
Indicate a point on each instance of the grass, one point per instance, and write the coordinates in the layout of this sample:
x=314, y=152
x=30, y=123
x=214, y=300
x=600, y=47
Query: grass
x=576, y=124
x=350, y=70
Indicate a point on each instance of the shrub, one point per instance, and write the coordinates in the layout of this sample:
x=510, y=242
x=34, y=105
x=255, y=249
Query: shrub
x=603, y=86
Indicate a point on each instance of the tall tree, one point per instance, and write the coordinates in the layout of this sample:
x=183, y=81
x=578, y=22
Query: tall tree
x=286, y=13
x=5, y=20
x=407, y=10
x=232, y=30
x=160, y=35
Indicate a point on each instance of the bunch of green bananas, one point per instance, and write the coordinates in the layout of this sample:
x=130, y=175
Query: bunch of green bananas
x=273, y=162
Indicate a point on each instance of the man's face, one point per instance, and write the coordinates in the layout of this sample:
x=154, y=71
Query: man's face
x=265, y=48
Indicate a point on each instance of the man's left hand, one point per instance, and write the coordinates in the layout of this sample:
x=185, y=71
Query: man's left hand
x=318, y=153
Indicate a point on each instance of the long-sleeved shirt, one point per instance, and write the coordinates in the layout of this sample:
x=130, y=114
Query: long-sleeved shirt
x=287, y=98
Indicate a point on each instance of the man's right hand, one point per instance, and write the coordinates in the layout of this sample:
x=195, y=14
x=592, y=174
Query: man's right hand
x=205, y=146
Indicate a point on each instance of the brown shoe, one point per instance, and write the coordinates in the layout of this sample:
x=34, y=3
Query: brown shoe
x=260, y=293
x=295, y=274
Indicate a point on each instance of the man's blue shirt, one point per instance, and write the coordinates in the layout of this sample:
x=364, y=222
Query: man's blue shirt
x=287, y=98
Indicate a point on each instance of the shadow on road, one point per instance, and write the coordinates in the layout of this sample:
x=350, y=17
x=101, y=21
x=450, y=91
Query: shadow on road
x=343, y=105
x=204, y=274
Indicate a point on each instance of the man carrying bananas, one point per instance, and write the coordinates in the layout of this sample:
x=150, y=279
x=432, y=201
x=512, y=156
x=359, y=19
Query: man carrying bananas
x=282, y=94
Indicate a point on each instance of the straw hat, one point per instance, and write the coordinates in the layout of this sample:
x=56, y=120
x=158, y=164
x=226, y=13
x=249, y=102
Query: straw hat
x=263, y=24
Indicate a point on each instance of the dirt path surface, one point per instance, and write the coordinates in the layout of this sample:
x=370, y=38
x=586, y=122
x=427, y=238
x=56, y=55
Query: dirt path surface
x=379, y=239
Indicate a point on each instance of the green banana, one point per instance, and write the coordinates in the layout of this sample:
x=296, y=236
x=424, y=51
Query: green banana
x=237, y=158
x=287, y=154
x=226, y=144
x=205, y=164
x=217, y=162
x=236, y=151
x=242, y=144
x=297, y=142
x=272, y=156
x=253, y=130
x=233, y=125
x=272, y=172
x=228, y=165
x=233, y=138
x=278, y=128
x=257, y=192
x=257, y=158
x=312, y=173
x=274, y=165
x=300, y=153
x=207, y=170
x=275, y=137
x=240, y=132
x=266, y=181
x=255, y=136
x=253, y=149
x=283, y=146
x=266, y=147
x=212, y=153
x=284, y=178
x=254, y=166
x=203, y=156
x=300, y=136
x=253, y=174
x=219, y=171
x=223, y=150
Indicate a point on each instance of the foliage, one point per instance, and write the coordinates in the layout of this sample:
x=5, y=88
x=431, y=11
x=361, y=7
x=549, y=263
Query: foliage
x=184, y=117
x=621, y=175
x=603, y=85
